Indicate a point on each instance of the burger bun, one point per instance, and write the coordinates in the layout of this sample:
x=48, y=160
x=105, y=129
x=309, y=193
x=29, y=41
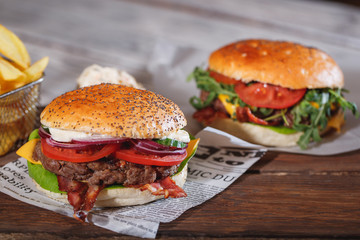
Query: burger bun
x=256, y=134
x=114, y=110
x=281, y=63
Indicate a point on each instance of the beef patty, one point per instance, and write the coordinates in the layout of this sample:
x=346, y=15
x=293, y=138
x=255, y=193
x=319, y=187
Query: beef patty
x=105, y=171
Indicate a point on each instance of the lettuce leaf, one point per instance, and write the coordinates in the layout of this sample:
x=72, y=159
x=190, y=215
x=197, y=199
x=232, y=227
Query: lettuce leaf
x=278, y=129
x=43, y=177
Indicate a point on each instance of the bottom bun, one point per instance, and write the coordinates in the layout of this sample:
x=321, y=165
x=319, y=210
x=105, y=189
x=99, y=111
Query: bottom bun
x=256, y=134
x=117, y=197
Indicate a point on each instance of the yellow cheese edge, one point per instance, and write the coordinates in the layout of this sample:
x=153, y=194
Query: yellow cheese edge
x=337, y=121
x=192, y=145
x=229, y=107
x=26, y=151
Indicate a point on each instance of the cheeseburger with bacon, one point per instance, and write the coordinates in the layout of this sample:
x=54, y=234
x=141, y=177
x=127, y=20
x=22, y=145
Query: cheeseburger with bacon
x=110, y=145
x=273, y=93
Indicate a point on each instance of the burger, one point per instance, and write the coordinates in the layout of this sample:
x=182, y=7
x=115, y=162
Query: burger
x=273, y=93
x=109, y=145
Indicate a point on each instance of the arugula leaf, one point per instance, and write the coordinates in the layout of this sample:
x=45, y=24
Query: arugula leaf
x=205, y=82
x=266, y=111
x=281, y=114
x=343, y=102
x=316, y=106
x=310, y=115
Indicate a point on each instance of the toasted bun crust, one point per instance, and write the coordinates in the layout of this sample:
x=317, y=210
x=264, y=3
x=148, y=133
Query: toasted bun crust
x=118, y=197
x=256, y=134
x=114, y=110
x=280, y=63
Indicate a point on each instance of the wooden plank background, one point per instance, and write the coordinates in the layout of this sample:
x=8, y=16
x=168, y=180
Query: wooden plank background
x=122, y=34
x=283, y=195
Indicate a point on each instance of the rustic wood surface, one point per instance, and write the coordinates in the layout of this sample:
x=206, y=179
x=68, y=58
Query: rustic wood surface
x=283, y=195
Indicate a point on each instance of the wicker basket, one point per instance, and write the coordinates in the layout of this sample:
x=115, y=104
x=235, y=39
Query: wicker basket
x=18, y=115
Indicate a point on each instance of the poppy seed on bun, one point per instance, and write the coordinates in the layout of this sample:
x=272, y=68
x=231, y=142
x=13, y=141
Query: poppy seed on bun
x=110, y=145
x=114, y=110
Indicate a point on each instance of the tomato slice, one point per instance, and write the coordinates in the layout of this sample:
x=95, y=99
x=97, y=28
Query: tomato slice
x=131, y=155
x=268, y=96
x=222, y=78
x=77, y=156
x=262, y=94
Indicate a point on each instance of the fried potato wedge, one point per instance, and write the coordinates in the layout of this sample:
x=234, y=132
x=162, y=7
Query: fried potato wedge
x=7, y=86
x=36, y=70
x=13, y=48
x=10, y=73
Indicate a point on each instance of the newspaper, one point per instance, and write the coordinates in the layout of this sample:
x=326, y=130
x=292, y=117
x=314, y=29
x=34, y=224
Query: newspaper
x=220, y=159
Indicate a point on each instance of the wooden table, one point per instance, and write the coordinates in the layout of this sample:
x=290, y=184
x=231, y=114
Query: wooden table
x=283, y=195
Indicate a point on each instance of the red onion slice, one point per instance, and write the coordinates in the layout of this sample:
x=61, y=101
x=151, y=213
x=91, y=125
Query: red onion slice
x=151, y=144
x=145, y=146
x=54, y=143
x=43, y=133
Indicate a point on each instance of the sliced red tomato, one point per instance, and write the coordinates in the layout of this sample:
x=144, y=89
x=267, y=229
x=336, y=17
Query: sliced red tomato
x=268, y=96
x=75, y=155
x=222, y=78
x=134, y=156
x=262, y=95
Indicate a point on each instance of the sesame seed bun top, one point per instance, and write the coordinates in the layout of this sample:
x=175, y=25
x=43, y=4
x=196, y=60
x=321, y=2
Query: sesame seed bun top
x=280, y=63
x=114, y=110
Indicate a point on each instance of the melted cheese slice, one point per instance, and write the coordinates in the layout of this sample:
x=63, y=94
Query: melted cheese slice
x=337, y=121
x=192, y=146
x=229, y=107
x=26, y=151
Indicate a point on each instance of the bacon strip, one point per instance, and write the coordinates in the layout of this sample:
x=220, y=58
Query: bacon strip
x=254, y=119
x=208, y=115
x=166, y=187
x=83, y=196
x=80, y=195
